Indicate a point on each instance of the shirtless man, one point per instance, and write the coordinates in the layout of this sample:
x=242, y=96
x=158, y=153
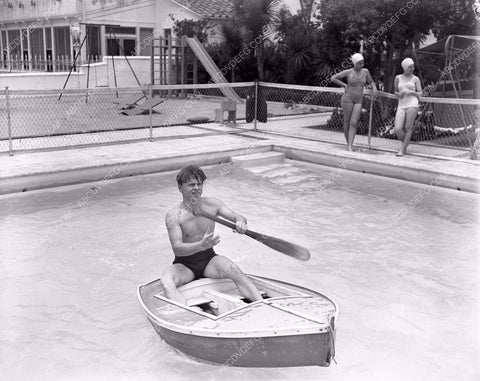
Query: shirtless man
x=192, y=238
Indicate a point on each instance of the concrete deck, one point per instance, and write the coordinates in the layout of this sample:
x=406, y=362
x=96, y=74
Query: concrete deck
x=29, y=171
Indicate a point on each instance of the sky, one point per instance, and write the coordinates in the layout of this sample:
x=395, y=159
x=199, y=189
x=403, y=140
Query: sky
x=294, y=5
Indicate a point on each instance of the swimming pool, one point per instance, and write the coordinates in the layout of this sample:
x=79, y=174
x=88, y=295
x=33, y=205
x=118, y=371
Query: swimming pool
x=404, y=274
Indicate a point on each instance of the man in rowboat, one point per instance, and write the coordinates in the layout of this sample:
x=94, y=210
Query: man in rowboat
x=192, y=238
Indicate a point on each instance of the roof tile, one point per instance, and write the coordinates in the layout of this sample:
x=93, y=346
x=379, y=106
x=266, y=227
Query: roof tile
x=209, y=8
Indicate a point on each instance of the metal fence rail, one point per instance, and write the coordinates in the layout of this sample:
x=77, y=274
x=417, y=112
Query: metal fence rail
x=445, y=127
x=33, y=120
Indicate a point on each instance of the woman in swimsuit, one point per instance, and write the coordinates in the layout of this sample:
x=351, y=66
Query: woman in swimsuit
x=352, y=99
x=408, y=89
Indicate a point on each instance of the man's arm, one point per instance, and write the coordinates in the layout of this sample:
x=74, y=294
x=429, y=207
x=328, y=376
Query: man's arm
x=181, y=248
x=227, y=213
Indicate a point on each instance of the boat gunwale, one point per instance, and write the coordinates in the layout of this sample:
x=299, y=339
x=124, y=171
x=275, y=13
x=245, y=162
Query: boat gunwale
x=318, y=328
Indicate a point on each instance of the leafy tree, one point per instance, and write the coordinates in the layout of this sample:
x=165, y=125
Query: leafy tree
x=456, y=17
x=389, y=29
x=191, y=28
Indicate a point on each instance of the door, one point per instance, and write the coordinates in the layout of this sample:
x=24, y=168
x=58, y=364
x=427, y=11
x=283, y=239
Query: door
x=129, y=47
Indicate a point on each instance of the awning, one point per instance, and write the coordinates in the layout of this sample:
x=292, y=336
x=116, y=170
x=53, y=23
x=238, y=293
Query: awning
x=453, y=43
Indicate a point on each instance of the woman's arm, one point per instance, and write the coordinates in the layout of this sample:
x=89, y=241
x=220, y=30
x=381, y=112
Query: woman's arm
x=337, y=78
x=418, y=88
x=370, y=80
x=395, y=87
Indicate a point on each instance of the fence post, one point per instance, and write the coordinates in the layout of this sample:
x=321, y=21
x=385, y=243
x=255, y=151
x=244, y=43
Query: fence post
x=150, y=93
x=9, y=122
x=370, y=119
x=476, y=143
x=256, y=106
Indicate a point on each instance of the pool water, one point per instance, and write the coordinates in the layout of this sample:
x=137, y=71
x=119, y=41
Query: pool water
x=404, y=274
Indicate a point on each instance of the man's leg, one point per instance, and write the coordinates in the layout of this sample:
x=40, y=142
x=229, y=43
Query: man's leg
x=222, y=267
x=173, y=277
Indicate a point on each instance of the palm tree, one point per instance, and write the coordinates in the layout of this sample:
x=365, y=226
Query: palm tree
x=299, y=55
x=297, y=43
x=232, y=43
x=257, y=19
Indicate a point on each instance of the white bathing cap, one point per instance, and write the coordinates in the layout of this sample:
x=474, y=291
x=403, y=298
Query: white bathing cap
x=357, y=57
x=407, y=62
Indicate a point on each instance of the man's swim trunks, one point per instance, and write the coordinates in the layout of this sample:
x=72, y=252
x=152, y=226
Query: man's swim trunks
x=196, y=262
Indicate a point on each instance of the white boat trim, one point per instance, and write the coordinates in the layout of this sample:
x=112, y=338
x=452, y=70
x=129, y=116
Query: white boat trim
x=290, y=311
x=278, y=286
x=317, y=326
x=314, y=328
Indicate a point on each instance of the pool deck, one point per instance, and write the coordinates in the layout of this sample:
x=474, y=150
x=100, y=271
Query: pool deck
x=37, y=170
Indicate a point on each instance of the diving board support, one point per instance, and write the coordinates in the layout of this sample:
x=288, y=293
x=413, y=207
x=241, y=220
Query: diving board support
x=229, y=106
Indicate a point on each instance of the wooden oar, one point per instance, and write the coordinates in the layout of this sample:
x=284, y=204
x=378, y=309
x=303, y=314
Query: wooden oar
x=277, y=244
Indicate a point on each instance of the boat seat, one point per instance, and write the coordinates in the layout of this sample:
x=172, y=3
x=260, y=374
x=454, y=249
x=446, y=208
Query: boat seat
x=199, y=301
x=207, y=299
x=238, y=296
x=224, y=302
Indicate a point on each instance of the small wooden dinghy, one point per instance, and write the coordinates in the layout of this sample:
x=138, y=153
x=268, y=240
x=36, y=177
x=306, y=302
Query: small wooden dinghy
x=291, y=326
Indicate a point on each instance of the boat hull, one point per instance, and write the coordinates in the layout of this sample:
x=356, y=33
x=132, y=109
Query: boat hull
x=294, y=326
x=262, y=352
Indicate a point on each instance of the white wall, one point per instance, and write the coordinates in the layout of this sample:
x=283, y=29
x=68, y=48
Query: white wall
x=101, y=74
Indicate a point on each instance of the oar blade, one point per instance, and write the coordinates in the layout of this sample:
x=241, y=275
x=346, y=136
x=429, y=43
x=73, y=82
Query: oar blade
x=277, y=244
x=285, y=247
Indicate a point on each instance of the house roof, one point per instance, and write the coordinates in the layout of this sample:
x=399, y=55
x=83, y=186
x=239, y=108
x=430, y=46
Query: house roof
x=210, y=8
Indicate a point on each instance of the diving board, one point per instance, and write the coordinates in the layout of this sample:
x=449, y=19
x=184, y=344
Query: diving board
x=212, y=68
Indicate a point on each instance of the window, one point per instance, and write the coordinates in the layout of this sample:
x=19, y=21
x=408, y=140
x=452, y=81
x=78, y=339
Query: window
x=62, y=41
x=93, y=42
x=36, y=43
x=119, y=30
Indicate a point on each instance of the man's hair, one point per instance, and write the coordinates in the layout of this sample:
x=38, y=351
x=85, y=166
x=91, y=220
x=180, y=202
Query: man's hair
x=192, y=171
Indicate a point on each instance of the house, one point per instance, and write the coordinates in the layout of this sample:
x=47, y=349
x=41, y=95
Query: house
x=43, y=34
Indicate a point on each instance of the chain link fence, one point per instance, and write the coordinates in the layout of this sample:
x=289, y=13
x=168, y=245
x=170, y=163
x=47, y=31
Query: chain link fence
x=443, y=127
x=33, y=120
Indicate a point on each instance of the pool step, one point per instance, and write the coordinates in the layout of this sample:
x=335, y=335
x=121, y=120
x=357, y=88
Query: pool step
x=272, y=167
x=259, y=159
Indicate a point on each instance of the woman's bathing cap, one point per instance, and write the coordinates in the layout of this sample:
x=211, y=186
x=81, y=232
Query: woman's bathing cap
x=407, y=62
x=357, y=57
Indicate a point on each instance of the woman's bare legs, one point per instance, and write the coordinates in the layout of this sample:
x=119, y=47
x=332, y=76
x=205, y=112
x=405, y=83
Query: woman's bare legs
x=352, y=129
x=409, y=121
x=405, y=118
x=347, y=113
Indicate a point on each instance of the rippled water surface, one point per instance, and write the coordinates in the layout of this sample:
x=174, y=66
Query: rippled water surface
x=404, y=274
